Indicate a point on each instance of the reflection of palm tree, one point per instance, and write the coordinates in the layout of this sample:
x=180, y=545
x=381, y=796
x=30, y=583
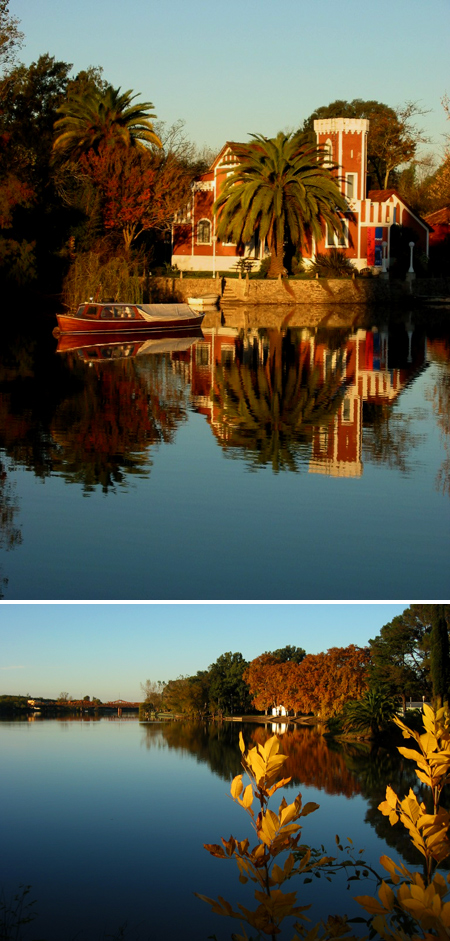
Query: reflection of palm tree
x=270, y=410
x=102, y=116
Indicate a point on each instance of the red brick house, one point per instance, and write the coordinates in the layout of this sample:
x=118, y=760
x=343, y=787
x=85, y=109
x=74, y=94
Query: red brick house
x=367, y=236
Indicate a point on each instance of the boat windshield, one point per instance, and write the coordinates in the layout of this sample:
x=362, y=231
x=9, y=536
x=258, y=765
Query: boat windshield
x=108, y=312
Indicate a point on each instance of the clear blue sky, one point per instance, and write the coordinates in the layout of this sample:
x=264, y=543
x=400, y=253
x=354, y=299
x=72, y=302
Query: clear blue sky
x=230, y=69
x=107, y=650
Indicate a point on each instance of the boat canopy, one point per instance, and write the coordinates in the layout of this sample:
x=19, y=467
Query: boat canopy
x=164, y=311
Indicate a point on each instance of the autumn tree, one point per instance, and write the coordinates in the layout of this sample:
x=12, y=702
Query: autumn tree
x=262, y=680
x=326, y=681
x=133, y=190
x=393, y=136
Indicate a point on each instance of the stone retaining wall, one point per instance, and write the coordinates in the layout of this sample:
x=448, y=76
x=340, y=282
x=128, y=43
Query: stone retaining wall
x=368, y=292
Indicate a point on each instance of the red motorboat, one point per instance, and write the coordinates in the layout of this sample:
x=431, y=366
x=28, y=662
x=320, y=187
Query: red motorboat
x=134, y=318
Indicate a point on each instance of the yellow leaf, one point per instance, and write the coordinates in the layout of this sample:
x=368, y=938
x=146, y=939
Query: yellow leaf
x=428, y=742
x=370, y=904
x=236, y=786
x=288, y=813
x=277, y=874
x=272, y=747
x=412, y=754
x=247, y=800
x=389, y=864
x=391, y=797
x=309, y=808
x=269, y=827
x=386, y=896
x=241, y=743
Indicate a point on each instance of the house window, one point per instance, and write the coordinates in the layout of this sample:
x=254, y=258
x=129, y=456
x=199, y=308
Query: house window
x=350, y=185
x=328, y=152
x=204, y=232
x=335, y=239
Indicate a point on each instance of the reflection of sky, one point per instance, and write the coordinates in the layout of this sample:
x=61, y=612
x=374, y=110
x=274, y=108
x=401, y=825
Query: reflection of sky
x=105, y=829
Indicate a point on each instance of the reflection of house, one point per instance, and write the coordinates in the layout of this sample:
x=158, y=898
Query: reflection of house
x=336, y=448
x=368, y=224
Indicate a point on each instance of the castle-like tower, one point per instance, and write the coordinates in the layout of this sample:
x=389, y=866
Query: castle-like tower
x=345, y=139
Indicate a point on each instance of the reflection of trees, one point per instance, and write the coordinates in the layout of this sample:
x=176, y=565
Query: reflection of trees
x=375, y=770
x=91, y=425
x=269, y=409
x=10, y=533
x=215, y=744
x=311, y=762
x=105, y=430
x=387, y=436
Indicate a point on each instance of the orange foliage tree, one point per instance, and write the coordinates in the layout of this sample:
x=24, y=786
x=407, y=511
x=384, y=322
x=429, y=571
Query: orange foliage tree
x=137, y=190
x=321, y=683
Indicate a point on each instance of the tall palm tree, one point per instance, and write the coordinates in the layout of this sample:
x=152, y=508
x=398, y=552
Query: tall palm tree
x=281, y=188
x=102, y=116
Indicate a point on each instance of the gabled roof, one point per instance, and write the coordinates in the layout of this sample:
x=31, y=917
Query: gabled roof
x=229, y=145
x=382, y=196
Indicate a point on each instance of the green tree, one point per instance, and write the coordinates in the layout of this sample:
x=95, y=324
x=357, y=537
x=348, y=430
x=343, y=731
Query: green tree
x=35, y=221
x=439, y=656
x=393, y=137
x=228, y=691
x=399, y=659
x=98, y=115
x=279, y=191
x=288, y=654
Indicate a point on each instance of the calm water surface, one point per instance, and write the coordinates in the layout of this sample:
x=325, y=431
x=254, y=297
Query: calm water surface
x=106, y=821
x=304, y=458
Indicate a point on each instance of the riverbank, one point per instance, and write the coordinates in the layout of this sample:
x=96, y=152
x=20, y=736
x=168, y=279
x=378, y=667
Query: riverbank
x=368, y=292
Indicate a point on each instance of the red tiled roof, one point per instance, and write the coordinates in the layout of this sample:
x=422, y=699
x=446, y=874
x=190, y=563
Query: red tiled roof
x=440, y=217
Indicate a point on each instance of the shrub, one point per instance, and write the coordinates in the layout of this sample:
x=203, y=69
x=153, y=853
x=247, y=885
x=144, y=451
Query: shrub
x=334, y=264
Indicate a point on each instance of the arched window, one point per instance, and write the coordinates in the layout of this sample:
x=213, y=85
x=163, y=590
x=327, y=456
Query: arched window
x=204, y=232
x=328, y=152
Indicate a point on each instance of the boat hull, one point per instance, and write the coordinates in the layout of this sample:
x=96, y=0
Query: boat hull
x=68, y=324
x=127, y=344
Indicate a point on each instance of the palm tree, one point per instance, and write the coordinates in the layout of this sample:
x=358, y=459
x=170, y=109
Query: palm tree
x=102, y=116
x=280, y=188
x=372, y=713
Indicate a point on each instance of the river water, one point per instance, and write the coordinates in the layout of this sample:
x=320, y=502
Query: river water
x=106, y=821
x=298, y=456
